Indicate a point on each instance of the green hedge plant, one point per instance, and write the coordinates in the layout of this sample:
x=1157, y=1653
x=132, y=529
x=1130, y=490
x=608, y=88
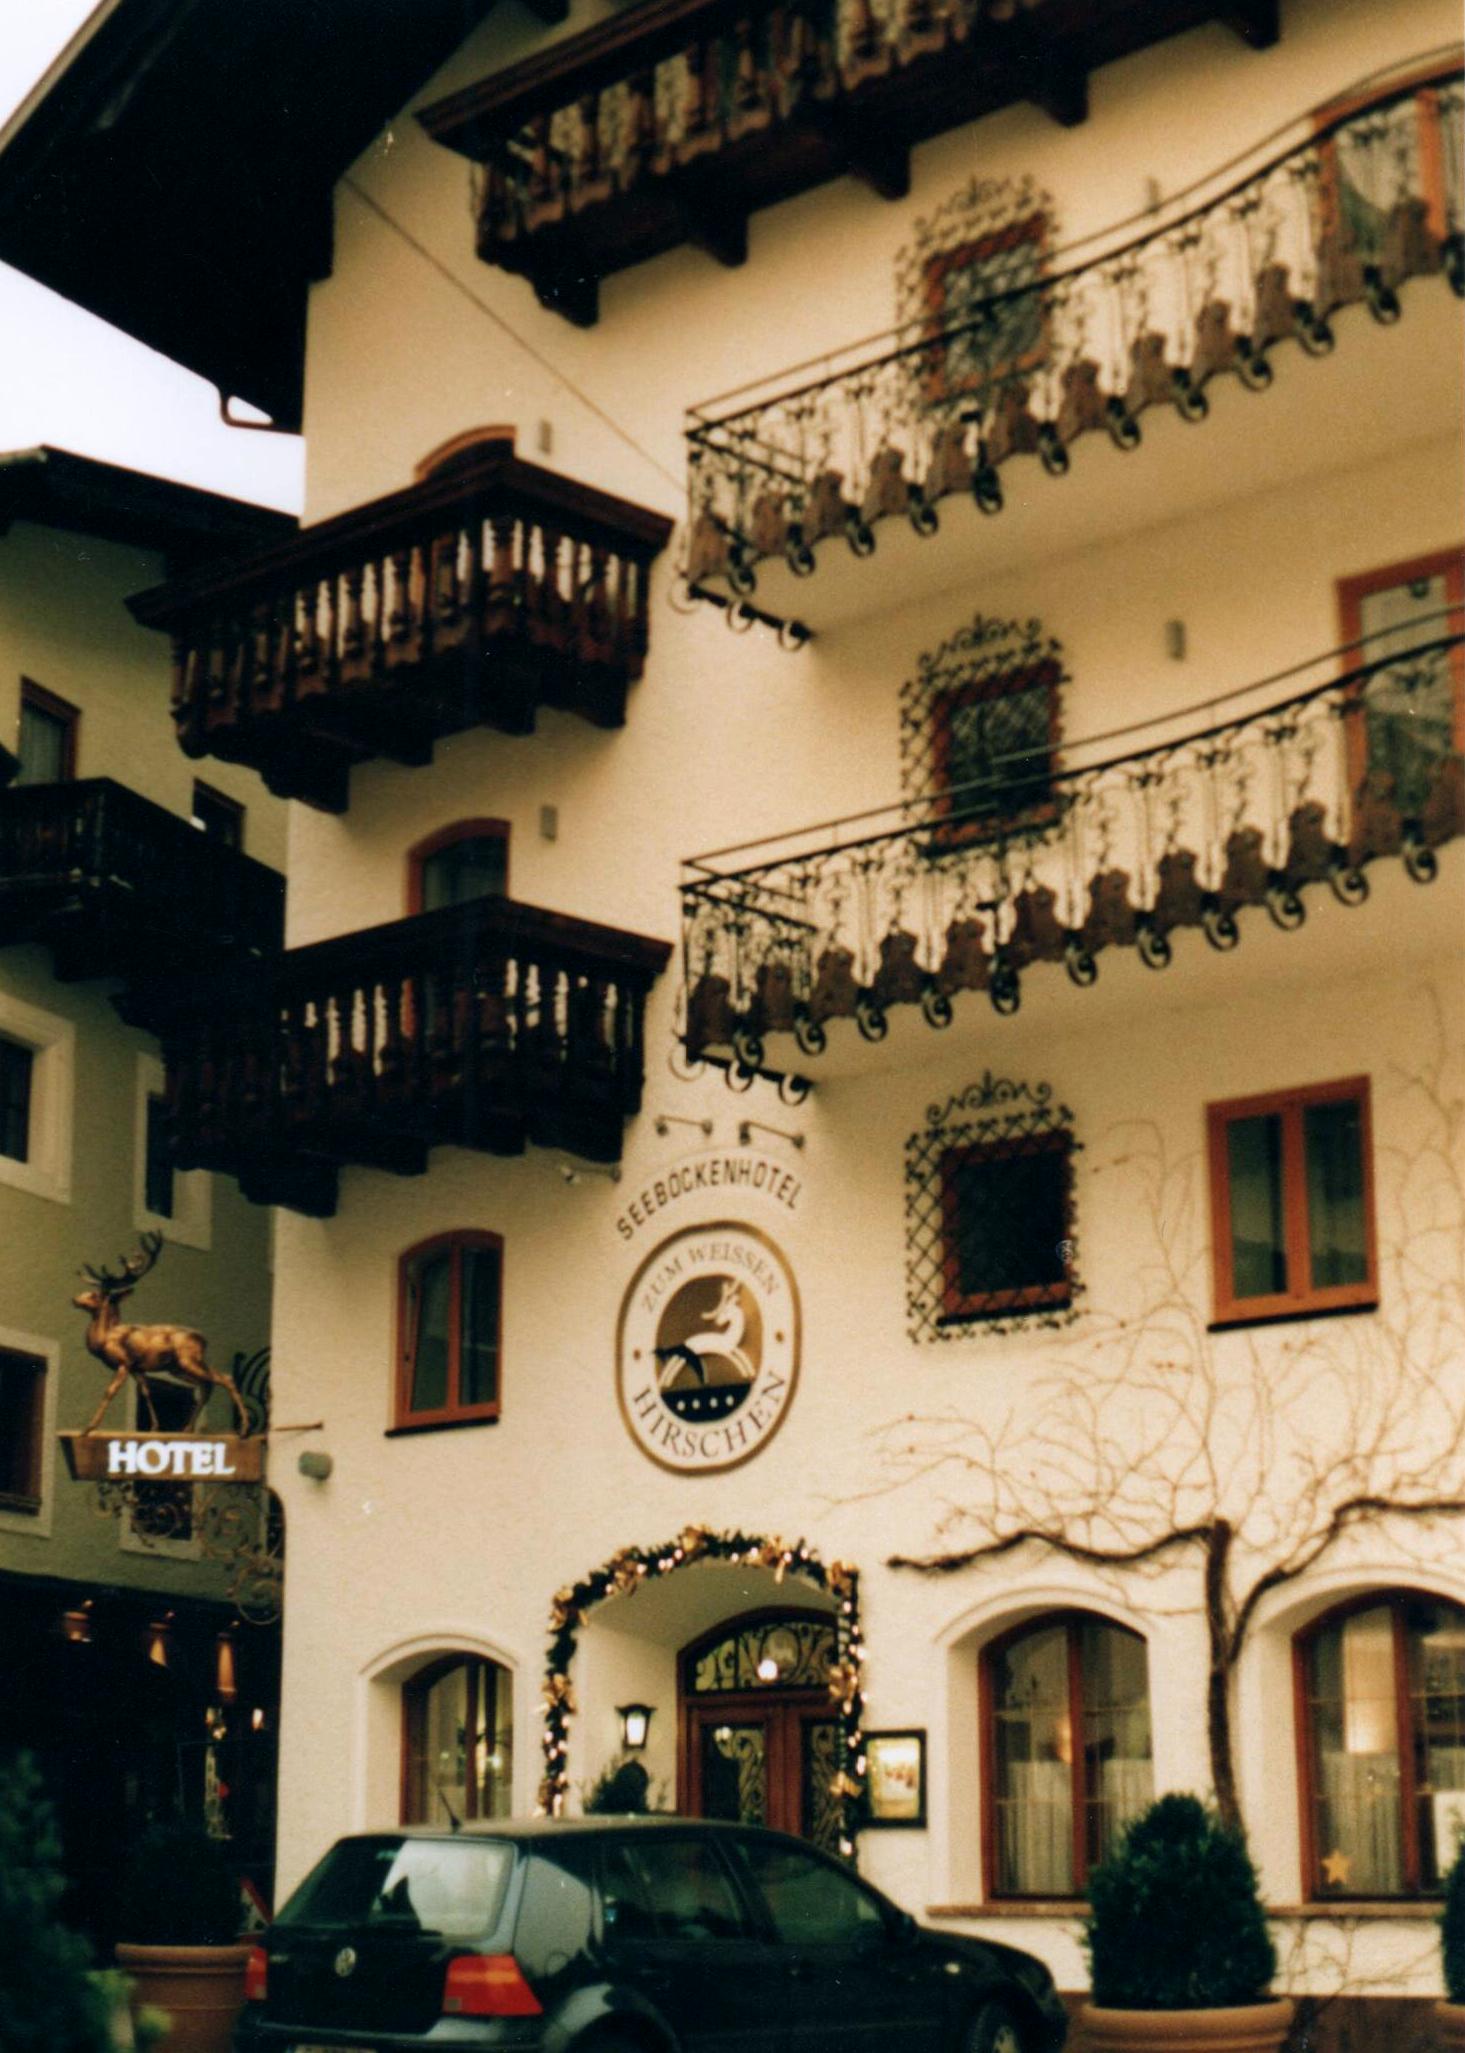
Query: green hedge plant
x=1452, y=1928
x=1176, y=1917
x=179, y=1889
x=48, y=2000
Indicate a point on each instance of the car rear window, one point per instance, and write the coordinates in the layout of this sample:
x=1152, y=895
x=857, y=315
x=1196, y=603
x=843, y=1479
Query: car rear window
x=453, y=1887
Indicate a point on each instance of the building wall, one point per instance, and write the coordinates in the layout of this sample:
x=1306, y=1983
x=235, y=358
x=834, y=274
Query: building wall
x=459, y=1539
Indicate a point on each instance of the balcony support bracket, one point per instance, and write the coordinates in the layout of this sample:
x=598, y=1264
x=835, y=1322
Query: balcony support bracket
x=1057, y=79
x=1257, y=22
x=574, y=294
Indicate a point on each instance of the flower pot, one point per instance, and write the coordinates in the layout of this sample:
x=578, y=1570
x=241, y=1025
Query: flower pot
x=1248, y=2028
x=1449, y=2019
x=200, y=1987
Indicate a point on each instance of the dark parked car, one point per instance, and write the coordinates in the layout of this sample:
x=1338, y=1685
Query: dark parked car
x=617, y=1935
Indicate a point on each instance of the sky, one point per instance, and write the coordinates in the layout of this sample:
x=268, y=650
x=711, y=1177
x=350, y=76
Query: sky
x=74, y=381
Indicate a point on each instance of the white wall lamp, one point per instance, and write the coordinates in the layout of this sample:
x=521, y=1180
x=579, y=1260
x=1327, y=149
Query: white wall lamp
x=635, y=1725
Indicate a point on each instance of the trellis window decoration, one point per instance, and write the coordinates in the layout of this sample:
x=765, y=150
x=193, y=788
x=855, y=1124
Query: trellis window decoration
x=980, y=723
x=967, y=276
x=632, y=1566
x=991, y=1238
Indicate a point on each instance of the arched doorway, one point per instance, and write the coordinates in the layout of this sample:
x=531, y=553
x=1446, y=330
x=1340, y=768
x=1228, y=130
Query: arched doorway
x=759, y=1736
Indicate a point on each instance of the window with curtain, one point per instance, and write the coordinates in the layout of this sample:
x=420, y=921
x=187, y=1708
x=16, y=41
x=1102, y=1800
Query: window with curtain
x=1067, y=1714
x=1382, y=1687
x=1292, y=1202
x=449, y=1305
x=1414, y=712
x=458, y=1741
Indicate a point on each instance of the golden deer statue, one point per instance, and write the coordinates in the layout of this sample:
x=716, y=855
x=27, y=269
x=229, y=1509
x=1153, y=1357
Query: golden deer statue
x=176, y=1353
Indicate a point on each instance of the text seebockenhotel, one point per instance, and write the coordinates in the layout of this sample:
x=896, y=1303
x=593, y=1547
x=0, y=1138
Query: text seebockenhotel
x=715, y=1173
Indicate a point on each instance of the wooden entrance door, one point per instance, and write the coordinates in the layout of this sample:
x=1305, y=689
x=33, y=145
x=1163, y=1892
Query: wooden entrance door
x=759, y=1739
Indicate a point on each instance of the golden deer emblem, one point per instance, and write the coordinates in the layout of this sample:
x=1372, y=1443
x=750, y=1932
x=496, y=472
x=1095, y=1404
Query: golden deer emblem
x=175, y=1353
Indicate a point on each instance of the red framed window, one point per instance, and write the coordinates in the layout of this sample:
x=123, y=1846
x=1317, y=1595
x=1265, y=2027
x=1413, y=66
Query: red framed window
x=1066, y=1751
x=1414, y=714
x=457, y=1741
x=22, y=1415
x=1006, y=1208
x=48, y=735
x=994, y=749
x=1381, y=1742
x=449, y=1324
x=1292, y=1221
x=966, y=288
x=461, y=862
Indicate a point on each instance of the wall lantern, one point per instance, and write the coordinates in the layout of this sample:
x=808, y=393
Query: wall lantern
x=226, y=1681
x=635, y=1724
x=76, y=1626
x=160, y=1641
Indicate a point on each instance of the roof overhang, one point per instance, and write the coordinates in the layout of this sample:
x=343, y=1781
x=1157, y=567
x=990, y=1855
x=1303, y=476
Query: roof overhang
x=83, y=495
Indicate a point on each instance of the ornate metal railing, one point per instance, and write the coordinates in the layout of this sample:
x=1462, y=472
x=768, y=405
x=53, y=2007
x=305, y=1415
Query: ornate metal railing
x=1182, y=828
x=1211, y=283
x=485, y=1025
x=116, y=884
x=673, y=121
x=490, y=588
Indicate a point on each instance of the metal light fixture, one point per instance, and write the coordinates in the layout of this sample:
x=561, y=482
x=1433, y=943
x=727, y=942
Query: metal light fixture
x=226, y=1683
x=635, y=1725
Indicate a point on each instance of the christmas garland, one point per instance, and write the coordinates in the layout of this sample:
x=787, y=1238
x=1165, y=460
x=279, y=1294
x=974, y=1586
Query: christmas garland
x=627, y=1571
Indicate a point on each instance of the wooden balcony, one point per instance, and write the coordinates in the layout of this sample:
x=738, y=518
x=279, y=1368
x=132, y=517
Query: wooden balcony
x=487, y=1025
x=489, y=589
x=673, y=121
x=116, y=886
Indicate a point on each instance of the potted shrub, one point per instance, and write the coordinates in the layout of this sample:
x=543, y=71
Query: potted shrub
x=1451, y=2013
x=1180, y=1956
x=180, y=1916
x=48, y=2001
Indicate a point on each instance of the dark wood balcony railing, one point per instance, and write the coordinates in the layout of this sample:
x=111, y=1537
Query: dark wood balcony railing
x=487, y=1025
x=487, y=590
x=1347, y=214
x=118, y=886
x=1188, y=827
x=675, y=120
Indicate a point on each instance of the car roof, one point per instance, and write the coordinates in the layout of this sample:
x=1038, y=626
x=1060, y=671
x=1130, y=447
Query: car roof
x=559, y=1828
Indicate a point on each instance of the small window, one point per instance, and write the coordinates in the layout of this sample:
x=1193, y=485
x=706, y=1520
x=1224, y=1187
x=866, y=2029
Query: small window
x=1067, y=1752
x=1414, y=709
x=1292, y=1203
x=992, y=327
x=218, y=818
x=993, y=742
x=48, y=728
x=17, y=1069
x=22, y=1415
x=450, y=1293
x=1382, y=1693
x=158, y=1159
x=460, y=863
x=1005, y=1211
x=458, y=1742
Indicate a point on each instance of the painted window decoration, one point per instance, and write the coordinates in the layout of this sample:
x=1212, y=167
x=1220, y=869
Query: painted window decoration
x=1292, y=1202
x=449, y=1317
x=457, y=1742
x=980, y=724
x=467, y=861
x=17, y=1085
x=22, y=1414
x=1405, y=749
x=991, y=1243
x=48, y=727
x=1381, y=1688
x=1067, y=1751
x=966, y=282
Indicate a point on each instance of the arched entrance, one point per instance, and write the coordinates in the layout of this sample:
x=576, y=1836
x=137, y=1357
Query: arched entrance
x=759, y=1737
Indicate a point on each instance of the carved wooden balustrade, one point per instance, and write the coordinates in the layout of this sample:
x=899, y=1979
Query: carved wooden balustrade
x=1362, y=202
x=118, y=886
x=675, y=120
x=486, y=1025
x=487, y=590
x=948, y=894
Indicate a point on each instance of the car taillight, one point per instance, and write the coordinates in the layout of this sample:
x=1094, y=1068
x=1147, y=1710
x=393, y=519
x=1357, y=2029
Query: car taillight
x=488, y=1985
x=256, y=1975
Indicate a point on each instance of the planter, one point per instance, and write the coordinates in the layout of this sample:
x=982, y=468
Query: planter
x=1249, y=2028
x=200, y=1987
x=1450, y=2026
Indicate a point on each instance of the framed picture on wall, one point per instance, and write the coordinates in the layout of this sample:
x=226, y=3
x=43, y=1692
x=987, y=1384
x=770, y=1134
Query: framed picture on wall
x=896, y=1763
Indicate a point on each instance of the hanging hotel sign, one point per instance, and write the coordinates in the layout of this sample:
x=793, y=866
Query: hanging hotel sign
x=707, y=1348
x=163, y=1457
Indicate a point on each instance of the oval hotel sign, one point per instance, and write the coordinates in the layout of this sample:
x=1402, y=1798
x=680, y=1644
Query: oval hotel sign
x=707, y=1350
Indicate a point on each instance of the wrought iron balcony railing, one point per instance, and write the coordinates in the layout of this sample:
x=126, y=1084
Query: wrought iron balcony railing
x=963, y=891
x=1364, y=201
x=118, y=886
x=486, y=1025
x=488, y=589
x=675, y=120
